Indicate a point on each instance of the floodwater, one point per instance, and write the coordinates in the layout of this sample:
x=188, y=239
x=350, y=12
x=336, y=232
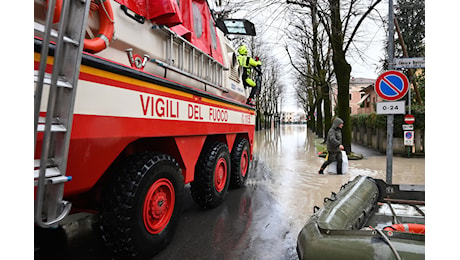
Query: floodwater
x=262, y=219
x=290, y=154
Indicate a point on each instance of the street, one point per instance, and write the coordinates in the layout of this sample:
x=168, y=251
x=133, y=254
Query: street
x=262, y=219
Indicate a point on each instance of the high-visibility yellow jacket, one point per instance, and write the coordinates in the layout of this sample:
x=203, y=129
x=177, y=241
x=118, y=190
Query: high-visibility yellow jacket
x=246, y=63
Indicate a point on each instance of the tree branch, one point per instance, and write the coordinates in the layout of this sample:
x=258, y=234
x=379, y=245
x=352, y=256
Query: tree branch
x=355, y=30
x=292, y=62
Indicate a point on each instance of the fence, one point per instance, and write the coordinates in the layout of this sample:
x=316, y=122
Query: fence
x=376, y=138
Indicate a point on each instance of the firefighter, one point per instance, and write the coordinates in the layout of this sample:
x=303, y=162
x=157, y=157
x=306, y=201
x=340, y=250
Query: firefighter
x=247, y=63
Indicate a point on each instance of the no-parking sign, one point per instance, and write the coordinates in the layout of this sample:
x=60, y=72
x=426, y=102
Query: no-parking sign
x=392, y=85
x=409, y=138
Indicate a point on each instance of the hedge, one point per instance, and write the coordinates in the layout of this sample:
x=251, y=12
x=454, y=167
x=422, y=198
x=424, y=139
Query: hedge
x=374, y=120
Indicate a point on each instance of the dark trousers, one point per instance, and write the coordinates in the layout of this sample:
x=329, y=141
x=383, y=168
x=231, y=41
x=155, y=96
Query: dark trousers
x=253, y=92
x=334, y=157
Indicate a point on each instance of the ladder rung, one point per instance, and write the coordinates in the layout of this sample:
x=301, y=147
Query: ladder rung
x=36, y=163
x=70, y=40
x=61, y=82
x=165, y=65
x=49, y=163
x=59, y=179
x=52, y=175
x=50, y=208
x=55, y=180
x=42, y=120
x=50, y=172
x=54, y=128
x=41, y=28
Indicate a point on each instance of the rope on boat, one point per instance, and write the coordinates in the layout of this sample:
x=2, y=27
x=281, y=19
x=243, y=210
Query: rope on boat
x=388, y=242
x=418, y=209
x=395, y=217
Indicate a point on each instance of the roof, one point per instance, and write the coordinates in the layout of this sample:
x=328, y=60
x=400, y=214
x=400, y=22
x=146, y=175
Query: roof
x=367, y=88
x=357, y=81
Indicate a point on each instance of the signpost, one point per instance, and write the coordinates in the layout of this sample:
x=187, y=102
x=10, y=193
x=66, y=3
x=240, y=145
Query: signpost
x=409, y=138
x=408, y=132
x=409, y=63
x=408, y=127
x=392, y=85
x=395, y=107
x=409, y=119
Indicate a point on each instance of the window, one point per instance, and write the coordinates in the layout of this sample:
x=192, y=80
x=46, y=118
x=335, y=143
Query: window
x=197, y=21
x=213, y=34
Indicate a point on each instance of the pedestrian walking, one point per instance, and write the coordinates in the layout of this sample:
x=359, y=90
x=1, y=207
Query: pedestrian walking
x=334, y=146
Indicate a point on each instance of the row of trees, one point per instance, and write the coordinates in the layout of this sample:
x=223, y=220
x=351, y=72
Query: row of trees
x=410, y=28
x=268, y=102
x=320, y=36
x=319, y=39
x=319, y=47
x=318, y=51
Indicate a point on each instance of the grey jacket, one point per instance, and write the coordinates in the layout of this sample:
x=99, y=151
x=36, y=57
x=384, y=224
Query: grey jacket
x=334, y=136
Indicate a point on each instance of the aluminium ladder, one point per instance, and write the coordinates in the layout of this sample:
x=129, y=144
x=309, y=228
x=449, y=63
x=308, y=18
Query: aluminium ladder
x=185, y=58
x=50, y=169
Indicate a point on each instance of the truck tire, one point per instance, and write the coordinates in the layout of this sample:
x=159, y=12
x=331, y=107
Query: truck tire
x=240, y=163
x=141, y=208
x=212, y=176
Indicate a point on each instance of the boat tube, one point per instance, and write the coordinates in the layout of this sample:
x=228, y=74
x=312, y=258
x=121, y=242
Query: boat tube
x=351, y=223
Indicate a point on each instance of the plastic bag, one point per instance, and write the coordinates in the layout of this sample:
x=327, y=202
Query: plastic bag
x=332, y=168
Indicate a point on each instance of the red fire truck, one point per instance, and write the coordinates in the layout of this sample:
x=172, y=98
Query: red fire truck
x=160, y=103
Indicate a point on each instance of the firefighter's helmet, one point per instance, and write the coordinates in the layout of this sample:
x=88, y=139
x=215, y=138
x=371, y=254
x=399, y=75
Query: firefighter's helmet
x=242, y=50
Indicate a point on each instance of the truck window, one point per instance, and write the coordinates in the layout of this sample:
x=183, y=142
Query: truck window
x=197, y=21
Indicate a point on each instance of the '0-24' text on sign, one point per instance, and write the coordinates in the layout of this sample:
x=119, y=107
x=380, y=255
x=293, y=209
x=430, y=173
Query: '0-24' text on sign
x=394, y=107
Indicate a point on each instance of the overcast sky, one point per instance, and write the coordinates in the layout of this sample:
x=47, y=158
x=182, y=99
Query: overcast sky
x=270, y=22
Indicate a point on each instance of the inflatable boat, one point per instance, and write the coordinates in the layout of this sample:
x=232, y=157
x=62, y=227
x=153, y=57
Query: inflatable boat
x=367, y=219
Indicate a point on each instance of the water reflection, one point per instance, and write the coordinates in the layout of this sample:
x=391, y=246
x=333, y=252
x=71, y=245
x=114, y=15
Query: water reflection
x=289, y=153
x=262, y=219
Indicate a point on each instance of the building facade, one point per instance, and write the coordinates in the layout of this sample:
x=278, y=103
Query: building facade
x=360, y=101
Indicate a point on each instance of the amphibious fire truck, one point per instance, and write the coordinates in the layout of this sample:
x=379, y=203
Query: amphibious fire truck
x=160, y=103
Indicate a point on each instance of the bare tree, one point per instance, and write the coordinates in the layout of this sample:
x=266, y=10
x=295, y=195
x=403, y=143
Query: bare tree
x=312, y=62
x=267, y=102
x=299, y=53
x=342, y=22
x=339, y=49
x=270, y=92
x=226, y=8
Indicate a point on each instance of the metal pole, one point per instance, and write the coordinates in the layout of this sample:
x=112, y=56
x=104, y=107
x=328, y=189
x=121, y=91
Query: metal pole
x=390, y=118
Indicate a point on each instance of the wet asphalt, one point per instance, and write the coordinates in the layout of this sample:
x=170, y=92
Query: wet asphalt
x=248, y=225
x=259, y=221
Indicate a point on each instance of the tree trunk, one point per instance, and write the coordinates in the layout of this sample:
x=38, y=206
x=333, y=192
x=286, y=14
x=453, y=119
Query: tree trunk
x=327, y=107
x=342, y=72
x=311, y=110
x=319, y=113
